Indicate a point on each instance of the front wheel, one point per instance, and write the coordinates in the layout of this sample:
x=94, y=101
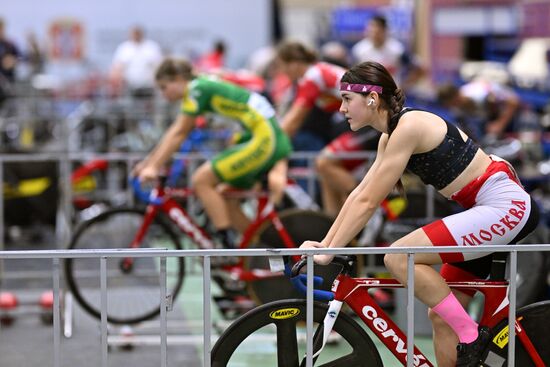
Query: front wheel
x=274, y=334
x=133, y=291
x=534, y=320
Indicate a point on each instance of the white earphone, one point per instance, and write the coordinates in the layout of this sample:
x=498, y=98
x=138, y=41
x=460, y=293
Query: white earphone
x=371, y=102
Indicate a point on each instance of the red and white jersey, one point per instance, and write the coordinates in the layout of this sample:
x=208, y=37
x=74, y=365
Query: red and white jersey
x=320, y=86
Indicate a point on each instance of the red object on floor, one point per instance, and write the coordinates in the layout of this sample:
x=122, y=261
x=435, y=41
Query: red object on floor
x=8, y=301
x=46, y=300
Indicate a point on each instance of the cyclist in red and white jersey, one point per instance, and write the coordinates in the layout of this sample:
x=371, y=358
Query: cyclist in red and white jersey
x=317, y=85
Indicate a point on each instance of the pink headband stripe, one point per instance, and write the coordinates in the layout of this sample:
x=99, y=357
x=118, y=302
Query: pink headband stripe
x=360, y=88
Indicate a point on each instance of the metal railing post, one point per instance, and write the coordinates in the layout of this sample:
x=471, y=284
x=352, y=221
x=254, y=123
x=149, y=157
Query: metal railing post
x=56, y=313
x=309, y=312
x=207, y=324
x=410, y=309
x=512, y=309
x=103, y=289
x=163, y=309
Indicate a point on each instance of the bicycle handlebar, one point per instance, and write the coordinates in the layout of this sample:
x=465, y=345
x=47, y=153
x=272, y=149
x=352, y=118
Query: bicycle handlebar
x=300, y=280
x=143, y=195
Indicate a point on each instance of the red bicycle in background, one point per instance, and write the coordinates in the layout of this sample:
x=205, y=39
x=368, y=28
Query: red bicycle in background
x=164, y=223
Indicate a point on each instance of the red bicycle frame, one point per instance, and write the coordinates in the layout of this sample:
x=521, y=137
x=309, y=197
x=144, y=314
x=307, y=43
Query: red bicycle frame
x=265, y=211
x=354, y=291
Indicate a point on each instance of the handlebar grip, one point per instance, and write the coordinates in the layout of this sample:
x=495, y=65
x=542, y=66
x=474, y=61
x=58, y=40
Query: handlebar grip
x=141, y=194
x=300, y=281
x=297, y=267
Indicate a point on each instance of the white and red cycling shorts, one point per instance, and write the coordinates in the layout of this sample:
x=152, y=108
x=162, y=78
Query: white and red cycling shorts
x=497, y=209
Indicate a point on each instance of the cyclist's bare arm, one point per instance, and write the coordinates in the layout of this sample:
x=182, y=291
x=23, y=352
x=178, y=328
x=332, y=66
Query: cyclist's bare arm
x=277, y=178
x=293, y=119
x=164, y=150
x=360, y=206
x=368, y=177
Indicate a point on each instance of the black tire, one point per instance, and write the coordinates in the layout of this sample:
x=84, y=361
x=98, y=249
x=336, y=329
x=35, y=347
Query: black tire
x=285, y=345
x=133, y=295
x=534, y=320
x=301, y=225
x=532, y=273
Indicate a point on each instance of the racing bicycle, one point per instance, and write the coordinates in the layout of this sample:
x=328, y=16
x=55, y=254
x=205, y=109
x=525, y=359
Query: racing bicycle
x=277, y=328
x=133, y=289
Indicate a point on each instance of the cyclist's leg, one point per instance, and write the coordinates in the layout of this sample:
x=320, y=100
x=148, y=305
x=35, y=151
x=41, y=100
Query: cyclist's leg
x=239, y=220
x=205, y=182
x=444, y=337
x=431, y=288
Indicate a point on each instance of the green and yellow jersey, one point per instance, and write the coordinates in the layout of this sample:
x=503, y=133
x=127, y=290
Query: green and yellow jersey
x=263, y=142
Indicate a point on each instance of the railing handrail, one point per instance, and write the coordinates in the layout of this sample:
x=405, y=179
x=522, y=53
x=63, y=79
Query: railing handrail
x=153, y=252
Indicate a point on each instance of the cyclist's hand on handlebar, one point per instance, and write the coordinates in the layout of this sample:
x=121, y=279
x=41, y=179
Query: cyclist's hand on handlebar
x=148, y=173
x=319, y=259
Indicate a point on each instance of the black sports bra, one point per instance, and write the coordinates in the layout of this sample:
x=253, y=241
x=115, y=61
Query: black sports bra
x=441, y=165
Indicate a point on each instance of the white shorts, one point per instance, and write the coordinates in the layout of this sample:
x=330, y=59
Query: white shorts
x=498, y=208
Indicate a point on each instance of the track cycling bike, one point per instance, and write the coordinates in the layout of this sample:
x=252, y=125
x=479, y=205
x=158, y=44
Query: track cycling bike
x=280, y=325
x=133, y=289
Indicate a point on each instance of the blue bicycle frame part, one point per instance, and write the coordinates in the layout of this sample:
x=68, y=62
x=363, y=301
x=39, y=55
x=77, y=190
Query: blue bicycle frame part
x=299, y=281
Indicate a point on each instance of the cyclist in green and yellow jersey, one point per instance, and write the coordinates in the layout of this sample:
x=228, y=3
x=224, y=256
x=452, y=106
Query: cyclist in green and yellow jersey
x=260, y=146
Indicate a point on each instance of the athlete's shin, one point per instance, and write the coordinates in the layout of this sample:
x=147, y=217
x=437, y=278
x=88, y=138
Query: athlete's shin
x=452, y=312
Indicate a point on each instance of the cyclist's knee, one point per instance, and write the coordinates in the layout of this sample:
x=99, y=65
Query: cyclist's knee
x=395, y=263
x=202, y=177
x=322, y=163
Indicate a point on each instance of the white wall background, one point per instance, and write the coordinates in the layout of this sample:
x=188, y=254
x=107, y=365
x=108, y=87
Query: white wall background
x=182, y=27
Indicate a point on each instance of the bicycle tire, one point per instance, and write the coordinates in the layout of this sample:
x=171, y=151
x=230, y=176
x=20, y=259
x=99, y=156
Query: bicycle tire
x=133, y=294
x=240, y=339
x=301, y=225
x=534, y=320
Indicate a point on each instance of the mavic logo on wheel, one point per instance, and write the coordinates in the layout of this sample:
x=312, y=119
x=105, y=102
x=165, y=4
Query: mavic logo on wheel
x=501, y=339
x=284, y=313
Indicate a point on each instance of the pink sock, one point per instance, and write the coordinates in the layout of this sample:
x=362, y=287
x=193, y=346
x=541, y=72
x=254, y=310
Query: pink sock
x=450, y=310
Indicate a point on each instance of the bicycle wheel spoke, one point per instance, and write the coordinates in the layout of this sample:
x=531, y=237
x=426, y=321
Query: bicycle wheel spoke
x=287, y=344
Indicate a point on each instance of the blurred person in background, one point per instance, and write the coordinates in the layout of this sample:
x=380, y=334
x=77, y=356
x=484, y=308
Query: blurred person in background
x=9, y=55
x=335, y=52
x=379, y=46
x=485, y=108
x=214, y=59
x=34, y=54
x=134, y=64
x=317, y=85
x=261, y=144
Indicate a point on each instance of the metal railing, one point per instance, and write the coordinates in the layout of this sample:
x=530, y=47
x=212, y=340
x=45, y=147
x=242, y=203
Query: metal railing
x=103, y=255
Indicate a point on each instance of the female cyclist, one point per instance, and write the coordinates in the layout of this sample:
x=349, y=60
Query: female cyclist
x=497, y=209
x=261, y=145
